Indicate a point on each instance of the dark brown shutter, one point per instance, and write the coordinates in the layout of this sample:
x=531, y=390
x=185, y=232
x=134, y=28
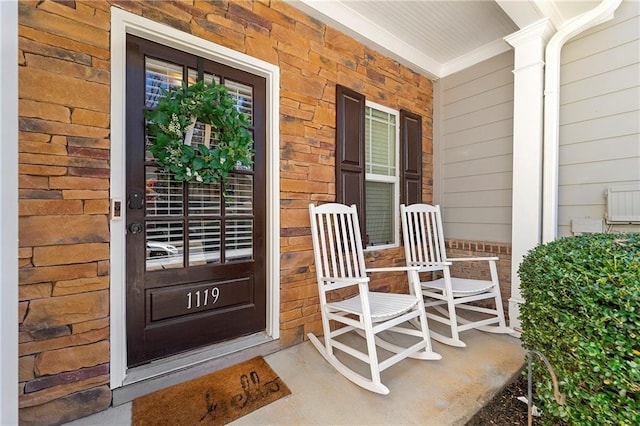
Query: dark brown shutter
x=350, y=163
x=411, y=146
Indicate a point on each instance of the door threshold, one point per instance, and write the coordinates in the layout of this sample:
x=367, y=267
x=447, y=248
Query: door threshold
x=179, y=368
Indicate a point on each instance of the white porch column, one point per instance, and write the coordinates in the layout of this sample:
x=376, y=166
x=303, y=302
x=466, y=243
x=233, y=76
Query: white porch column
x=526, y=215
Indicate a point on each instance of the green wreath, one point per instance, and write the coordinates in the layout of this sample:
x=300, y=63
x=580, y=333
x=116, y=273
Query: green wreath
x=171, y=126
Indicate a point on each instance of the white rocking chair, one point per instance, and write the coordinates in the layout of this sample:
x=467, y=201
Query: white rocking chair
x=339, y=261
x=424, y=246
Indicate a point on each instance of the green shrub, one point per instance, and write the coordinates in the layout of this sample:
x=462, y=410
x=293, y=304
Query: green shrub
x=582, y=311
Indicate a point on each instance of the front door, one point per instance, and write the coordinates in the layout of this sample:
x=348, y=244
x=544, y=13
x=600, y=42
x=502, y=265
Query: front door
x=195, y=252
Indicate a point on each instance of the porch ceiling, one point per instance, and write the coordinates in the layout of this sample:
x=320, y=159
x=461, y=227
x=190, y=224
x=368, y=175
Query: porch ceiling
x=438, y=38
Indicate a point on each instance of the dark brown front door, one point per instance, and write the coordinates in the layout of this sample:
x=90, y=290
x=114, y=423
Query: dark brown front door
x=195, y=254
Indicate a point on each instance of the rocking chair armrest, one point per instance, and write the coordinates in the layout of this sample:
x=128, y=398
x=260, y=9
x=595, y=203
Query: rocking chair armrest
x=428, y=266
x=472, y=259
x=394, y=269
x=336, y=282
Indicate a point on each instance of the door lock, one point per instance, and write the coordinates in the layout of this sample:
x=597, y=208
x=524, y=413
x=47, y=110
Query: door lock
x=135, y=201
x=135, y=228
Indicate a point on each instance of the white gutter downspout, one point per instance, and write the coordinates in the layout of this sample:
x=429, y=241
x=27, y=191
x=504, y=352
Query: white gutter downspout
x=601, y=13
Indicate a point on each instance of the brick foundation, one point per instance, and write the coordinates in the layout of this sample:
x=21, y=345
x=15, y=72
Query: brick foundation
x=480, y=270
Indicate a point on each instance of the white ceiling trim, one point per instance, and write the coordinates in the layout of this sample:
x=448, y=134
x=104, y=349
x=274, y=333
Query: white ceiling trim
x=483, y=53
x=523, y=13
x=363, y=30
x=550, y=9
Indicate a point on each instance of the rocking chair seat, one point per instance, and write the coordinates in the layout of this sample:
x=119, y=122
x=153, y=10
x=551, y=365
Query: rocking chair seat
x=382, y=305
x=460, y=286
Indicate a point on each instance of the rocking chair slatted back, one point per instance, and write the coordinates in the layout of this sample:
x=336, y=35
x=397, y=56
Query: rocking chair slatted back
x=337, y=245
x=424, y=238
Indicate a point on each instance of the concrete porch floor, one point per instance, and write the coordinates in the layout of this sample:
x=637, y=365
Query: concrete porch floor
x=445, y=392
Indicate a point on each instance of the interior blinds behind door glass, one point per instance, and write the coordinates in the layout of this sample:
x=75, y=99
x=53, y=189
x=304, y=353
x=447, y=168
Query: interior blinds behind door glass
x=164, y=245
x=163, y=199
x=204, y=199
x=160, y=75
x=204, y=234
x=208, y=77
x=243, y=95
x=239, y=203
x=163, y=194
x=204, y=242
x=239, y=199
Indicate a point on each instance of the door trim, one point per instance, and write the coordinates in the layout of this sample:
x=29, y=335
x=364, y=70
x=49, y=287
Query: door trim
x=123, y=23
x=9, y=365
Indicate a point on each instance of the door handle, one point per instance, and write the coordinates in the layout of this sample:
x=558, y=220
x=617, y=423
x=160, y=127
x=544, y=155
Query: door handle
x=135, y=228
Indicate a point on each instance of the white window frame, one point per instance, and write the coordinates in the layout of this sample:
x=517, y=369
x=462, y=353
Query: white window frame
x=395, y=180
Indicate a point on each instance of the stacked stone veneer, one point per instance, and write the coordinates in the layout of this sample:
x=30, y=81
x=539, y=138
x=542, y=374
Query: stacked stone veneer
x=63, y=225
x=463, y=248
x=64, y=104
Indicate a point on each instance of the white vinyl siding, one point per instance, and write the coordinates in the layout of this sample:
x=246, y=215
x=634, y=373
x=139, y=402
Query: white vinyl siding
x=473, y=151
x=599, y=117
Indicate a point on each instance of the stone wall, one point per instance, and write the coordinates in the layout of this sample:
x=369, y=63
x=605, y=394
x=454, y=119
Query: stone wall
x=64, y=76
x=63, y=224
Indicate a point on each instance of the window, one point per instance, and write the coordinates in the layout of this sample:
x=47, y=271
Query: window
x=378, y=163
x=381, y=174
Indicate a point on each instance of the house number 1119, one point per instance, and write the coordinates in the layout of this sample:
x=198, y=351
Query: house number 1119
x=202, y=297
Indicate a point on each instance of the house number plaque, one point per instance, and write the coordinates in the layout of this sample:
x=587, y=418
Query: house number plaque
x=194, y=298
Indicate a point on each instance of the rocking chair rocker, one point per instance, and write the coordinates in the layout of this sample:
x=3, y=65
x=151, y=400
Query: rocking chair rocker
x=424, y=246
x=339, y=261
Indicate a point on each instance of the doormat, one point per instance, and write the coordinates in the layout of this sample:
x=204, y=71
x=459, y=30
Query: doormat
x=214, y=399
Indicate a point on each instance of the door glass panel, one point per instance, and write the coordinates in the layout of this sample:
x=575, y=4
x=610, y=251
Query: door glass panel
x=216, y=233
x=239, y=197
x=160, y=75
x=204, y=199
x=164, y=245
x=148, y=141
x=204, y=242
x=208, y=77
x=243, y=95
x=202, y=134
x=239, y=240
x=164, y=194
